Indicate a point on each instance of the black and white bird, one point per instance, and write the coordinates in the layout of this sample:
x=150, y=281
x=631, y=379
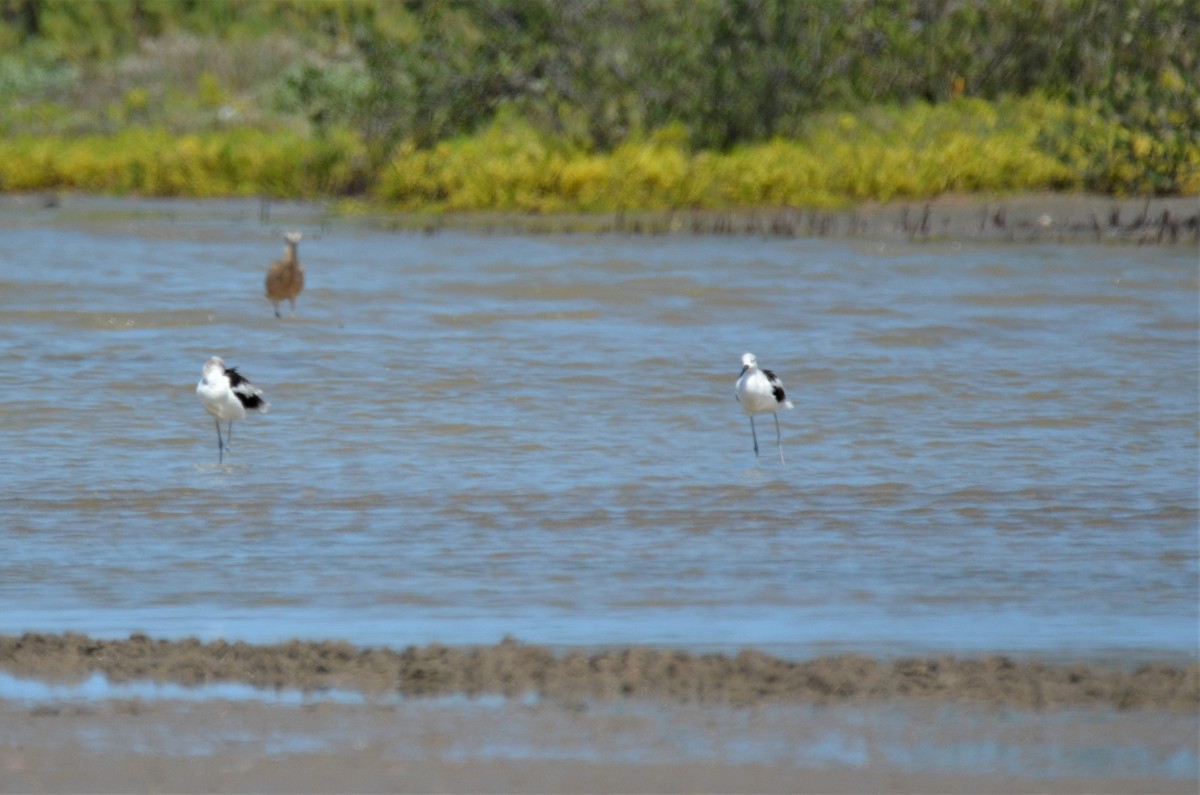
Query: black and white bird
x=226, y=395
x=760, y=392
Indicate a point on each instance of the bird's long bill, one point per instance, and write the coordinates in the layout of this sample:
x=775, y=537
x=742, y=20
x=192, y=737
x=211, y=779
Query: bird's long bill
x=745, y=367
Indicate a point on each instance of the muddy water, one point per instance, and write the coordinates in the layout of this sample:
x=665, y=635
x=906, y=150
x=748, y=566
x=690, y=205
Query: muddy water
x=994, y=448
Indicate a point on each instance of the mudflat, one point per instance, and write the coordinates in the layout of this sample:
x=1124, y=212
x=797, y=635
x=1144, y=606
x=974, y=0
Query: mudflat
x=70, y=769
x=513, y=717
x=513, y=669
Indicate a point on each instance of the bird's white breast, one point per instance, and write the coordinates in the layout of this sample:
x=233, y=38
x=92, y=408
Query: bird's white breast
x=218, y=400
x=755, y=394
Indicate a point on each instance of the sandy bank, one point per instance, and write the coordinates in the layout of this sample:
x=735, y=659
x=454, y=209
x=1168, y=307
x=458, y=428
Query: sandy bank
x=511, y=668
x=663, y=722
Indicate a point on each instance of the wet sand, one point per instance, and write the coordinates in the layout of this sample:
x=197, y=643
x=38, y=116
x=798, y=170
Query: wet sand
x=570, y=704
x=514, y=669
x=367, y=771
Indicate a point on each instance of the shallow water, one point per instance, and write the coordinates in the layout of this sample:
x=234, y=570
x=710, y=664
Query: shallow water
x=178, y=721
x=473, y=435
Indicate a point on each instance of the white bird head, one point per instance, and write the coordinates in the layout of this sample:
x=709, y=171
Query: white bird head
x=749, y=360
x=216, y=363
x=293, y=237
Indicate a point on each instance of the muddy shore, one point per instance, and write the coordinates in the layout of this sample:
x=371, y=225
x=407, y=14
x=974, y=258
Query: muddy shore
x=513, y=669
x=962, y=218
x=1023, y=218
x=512, y=717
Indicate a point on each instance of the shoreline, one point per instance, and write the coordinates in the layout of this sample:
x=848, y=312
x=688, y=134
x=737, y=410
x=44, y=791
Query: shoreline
x=1046, y=218
x=461, y=719
x=513, y=669
x=961, y=218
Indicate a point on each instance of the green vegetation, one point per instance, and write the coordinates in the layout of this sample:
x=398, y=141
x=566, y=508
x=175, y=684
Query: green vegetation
x=538, y=105
x=921, y=150
x=154, y=162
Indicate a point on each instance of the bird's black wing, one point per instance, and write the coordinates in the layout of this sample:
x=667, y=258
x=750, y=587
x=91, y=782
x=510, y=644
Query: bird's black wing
x=248, y=395
x=235, y=378
x=776, y=386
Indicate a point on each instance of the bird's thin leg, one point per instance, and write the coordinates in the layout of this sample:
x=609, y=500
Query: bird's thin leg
x=220, y=443
x=778, y=438
x=277, y=309
x=755, y=435
x=229, y=434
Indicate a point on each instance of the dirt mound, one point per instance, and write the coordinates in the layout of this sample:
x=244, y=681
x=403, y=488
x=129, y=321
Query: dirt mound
x=512, y=668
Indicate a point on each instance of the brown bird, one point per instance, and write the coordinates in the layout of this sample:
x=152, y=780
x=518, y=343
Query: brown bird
x=285, y=279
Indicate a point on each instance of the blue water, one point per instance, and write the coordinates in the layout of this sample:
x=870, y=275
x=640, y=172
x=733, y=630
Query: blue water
x=994, y=448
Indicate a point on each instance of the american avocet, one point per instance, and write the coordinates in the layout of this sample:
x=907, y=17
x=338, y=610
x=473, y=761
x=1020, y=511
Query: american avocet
x=226, y=395
x=760, y=392
x=285, y=278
